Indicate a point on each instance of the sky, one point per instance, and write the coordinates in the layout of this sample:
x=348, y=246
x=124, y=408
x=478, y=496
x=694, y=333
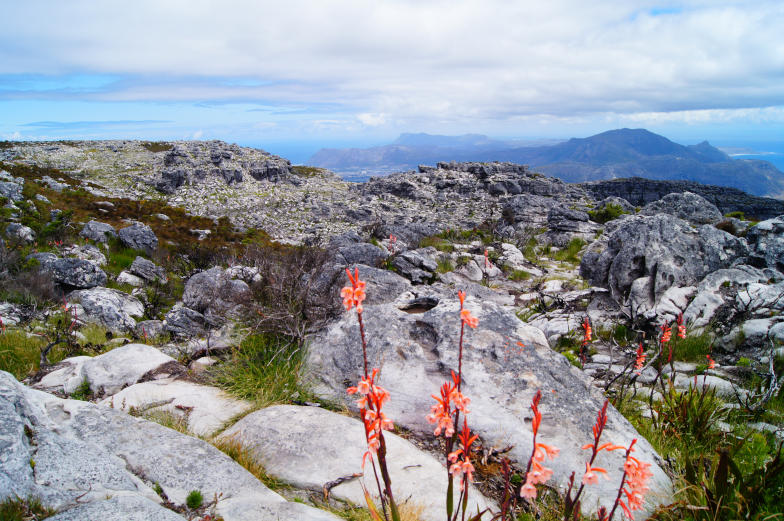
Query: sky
x=357, y=72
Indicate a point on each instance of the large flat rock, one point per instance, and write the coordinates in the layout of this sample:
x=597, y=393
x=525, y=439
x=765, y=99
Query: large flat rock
x=204, y=409
x=416, y=353
x=282, y=439
x=90, y=458
x=109, y=372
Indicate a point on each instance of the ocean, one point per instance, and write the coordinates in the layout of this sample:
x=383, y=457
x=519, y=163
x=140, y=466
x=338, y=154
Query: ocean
x=766, y=151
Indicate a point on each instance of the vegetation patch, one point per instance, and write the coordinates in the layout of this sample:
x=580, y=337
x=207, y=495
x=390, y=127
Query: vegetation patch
x=606, y=214
x=264, y=369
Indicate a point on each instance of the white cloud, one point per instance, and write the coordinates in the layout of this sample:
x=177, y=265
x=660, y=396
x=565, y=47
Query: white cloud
x=372, y=120
x=409, y=62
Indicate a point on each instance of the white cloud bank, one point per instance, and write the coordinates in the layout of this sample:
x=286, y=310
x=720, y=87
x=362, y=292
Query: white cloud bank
x=416, y=60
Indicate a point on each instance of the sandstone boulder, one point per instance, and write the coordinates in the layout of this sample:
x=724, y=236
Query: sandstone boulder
x=112, y=308
x=75, y=273
x=688, y=206
x=650, y=254
x=416, y=353
x=109, y=372
x=280, y=438
x=139, y=237
x=91, y=461
x=98, y=231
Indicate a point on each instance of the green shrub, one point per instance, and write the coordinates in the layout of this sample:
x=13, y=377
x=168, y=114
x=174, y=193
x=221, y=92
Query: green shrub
x=693, y=348
x=19, y=509
x=737, y=215
x=445, y=265
x=265, y=368
x=743, y=362
x=157, y=146
x=608, y=213
x=83, y=392
x=519, y=275
x=194, y=499
x=571, y=252
x=19, y=354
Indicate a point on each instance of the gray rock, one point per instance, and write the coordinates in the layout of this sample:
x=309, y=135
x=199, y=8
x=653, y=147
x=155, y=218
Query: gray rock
x=150, y=328
x=126, y=277
x=203, y=409
x=119, y=508
x=340, y=444
x=44, y=258
x=171, y=179
x=625, y=205
x=687, y=206
x=147, y=270
x=10, y=314
x=19, y=232
x=86, y=252
x=720, y=288
x=86, y=452
x=139, y=237
x=109, y=372
x=499, y=381
x=658, y=252
x=98, y=231
x=76, y=273
x=564, y=224
x=11, y=191
x=54, y=185
x=766, y=241
x=212, y=292
x=350, y=250
x=184, y=322
x=110, y=307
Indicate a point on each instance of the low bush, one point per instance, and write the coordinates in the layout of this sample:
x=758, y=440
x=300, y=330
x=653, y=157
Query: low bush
x=606, y=214
x=264, y=369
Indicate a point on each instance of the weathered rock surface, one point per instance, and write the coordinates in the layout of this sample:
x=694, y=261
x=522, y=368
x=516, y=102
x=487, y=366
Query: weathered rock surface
x=639, y=192
x=646, y=255
x=112, y=308
x=687, y=206
x=109, y=372
x=139, y=236
x=499, y=379
x=98, y=231
x=86, y=252
x=766, y=240
x=203, y=409
x=184, y=322
x=214, y=294
x=85, y=453
x=147, y=270
x=11, y=190
x=18, y=232
x=281, y=439
x=75, y=273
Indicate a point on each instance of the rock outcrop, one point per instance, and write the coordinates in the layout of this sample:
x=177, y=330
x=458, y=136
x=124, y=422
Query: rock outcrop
x=500, y=377
x=88, y=461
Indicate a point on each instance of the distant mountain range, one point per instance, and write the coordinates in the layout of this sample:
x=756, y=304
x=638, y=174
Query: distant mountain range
x=609, y=155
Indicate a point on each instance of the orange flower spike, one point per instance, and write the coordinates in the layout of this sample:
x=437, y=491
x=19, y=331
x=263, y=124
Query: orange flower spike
x=638, y=364
x=537, y=415
x=469, y=320
x=588, y=331
x=591, y=477
x=681, y=326
x=711, y=362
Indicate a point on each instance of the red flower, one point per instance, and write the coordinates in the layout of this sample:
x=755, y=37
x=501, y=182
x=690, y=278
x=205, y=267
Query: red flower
x=353, y=295
x=588, y=331
x=640, y=359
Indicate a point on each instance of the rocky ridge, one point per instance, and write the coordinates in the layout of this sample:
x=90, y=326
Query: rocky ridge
x=514, y=240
